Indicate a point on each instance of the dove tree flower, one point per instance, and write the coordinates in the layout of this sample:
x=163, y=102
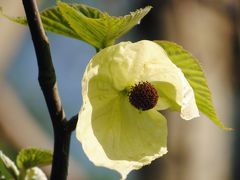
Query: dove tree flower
x=124, y=89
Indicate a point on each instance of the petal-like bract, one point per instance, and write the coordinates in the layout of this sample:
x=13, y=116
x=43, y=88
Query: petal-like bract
x=114, y=133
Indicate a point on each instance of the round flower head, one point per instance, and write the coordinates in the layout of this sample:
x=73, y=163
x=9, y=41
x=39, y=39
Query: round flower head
x=124, y=87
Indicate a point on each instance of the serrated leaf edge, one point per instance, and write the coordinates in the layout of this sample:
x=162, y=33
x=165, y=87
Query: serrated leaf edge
x=212, y=114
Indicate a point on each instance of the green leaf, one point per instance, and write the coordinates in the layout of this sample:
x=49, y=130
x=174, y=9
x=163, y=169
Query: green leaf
x=86, y=23
x=28, y=158
x=9, y=165
x=20, y=20
x=195, y=76
x=100, y=30
x=52, y=20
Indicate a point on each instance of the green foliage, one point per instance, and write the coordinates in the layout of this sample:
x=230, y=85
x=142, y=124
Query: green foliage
x=8, y=167
x=28, y=158
x=20, y=20
x=100, y=30
x=87, y=23
x=195, y=76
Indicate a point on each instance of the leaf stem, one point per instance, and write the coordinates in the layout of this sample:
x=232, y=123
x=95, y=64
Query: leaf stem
x=48, y=83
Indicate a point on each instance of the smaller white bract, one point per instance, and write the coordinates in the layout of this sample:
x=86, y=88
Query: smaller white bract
x=35, y=173
x=124, y=87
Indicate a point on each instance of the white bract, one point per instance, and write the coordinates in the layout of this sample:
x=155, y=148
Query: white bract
x=35, y=173
x=113, y=132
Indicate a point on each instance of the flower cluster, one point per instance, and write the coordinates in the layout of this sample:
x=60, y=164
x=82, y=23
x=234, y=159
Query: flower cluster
x=124, y=89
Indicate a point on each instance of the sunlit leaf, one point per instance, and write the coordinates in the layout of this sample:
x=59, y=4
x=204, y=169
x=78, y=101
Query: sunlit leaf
x=195, y=76
x=100, y=30
x=86, y=23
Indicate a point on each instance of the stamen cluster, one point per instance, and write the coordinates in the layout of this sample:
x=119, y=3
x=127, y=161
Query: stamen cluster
x=143, y=96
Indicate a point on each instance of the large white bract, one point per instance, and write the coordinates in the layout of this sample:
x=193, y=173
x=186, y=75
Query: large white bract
x=114, y=133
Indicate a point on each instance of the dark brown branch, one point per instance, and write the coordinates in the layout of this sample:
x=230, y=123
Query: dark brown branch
x=46, y=76
x=48, y=83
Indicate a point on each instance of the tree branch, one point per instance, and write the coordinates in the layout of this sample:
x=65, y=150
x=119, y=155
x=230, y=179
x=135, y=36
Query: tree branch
x=47, y=80
x=46, y=76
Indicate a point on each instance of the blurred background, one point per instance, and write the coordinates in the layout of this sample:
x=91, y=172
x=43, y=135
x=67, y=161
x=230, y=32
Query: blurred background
x=198, y=150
